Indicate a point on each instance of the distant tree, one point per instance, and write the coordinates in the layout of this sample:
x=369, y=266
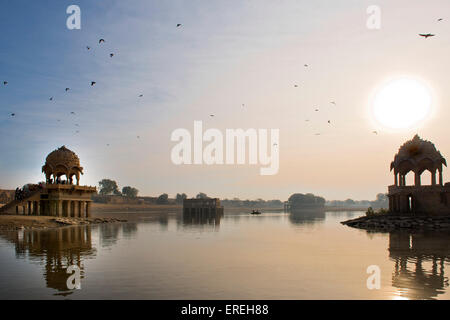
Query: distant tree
x=130, y=192
x=108, y=186
x=201, y=195
x=163, y=199
x=382, y=197
x=299, y=200
x=349, y=202
x=382, y=201
x=275, y=203
x=180, y=197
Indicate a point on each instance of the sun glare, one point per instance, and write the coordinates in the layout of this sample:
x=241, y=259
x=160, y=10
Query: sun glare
x=402, y=103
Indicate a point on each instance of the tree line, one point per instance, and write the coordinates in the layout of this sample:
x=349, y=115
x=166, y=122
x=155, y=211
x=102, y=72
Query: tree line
x=110, y=187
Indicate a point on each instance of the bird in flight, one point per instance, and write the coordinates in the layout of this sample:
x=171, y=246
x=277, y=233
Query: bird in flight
x=375, y=132
x=72, y=112
x=307, y=120
x=316, y=110
x=5, y=83
x=67, y=89
x=178, y=25
x=211, y=115
x=93, y=83
x=51, y=99
x=101, y=40
x=329, y=121
x=440, y=19
x=426, y=35
x=332, y=102
x=317, y=134
x=13, y=114
x=141, y=95
x=296, y=85
x=138, y=137
x=111, y=55
x=87, y=47
x=305, y=65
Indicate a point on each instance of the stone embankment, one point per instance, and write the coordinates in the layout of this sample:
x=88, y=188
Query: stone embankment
x=11, y=222
x=394, y=222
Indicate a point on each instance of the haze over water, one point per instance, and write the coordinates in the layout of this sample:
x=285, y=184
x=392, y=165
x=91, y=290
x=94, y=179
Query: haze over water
x=238, y=256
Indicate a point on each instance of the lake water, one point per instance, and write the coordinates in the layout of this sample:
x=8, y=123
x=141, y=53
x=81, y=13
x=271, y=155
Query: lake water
x=237, y=256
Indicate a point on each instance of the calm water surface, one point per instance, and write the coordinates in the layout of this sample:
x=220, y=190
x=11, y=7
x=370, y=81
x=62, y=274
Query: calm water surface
x=237, y=256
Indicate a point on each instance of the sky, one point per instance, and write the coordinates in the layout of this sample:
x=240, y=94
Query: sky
x=238, y=60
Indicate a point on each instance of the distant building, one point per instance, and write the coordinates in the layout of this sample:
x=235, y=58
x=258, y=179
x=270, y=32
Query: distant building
x=417, y=156
x=59, y=196
x=202, y=206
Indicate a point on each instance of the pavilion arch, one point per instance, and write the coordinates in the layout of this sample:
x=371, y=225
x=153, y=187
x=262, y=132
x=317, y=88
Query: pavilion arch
x=417, y=155
x=426, y=178
x=62, y=162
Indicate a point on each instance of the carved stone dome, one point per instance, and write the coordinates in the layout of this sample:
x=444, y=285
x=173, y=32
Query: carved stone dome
x=62, y=162
x=417, y=155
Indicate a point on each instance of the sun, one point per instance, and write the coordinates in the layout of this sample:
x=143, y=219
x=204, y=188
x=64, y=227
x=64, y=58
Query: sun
x=402, y=103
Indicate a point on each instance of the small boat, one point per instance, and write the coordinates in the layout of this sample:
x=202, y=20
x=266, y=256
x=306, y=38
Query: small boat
x=256, y=212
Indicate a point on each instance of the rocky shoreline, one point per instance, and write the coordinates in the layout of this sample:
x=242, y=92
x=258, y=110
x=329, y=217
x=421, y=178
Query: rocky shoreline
x=387, y=222
x=8, y=222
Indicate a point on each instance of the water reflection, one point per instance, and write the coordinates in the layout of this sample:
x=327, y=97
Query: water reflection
x=307, y=216
x=416, y=260
x=419, y=263
x=55, y=249
x=201, y=221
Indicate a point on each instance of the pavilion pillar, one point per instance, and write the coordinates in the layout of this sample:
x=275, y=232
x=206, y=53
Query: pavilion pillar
x=88, y=209
x=69, y=208
x=395, y=181
x=75, y=205
x=29, y=208
x=81, y=209
x=59, y=208
x=24, y=209
x=417, y=179
x=37, y=208
x=440, y=178
x=433, y=178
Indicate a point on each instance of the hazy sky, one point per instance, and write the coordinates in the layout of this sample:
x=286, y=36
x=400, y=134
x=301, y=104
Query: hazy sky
x=227, y=53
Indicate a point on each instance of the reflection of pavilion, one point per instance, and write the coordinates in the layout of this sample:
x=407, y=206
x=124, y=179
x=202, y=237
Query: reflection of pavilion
x=419, y=263
x=57, y=249
x=199, y=219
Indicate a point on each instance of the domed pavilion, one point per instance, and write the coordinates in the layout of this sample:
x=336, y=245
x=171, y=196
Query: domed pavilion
x=58, y=196
x=62, y=162
x=417, y=156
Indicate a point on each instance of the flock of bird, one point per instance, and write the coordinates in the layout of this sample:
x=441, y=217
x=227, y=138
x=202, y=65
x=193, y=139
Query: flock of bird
x=92, y=83
x=111, y=55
